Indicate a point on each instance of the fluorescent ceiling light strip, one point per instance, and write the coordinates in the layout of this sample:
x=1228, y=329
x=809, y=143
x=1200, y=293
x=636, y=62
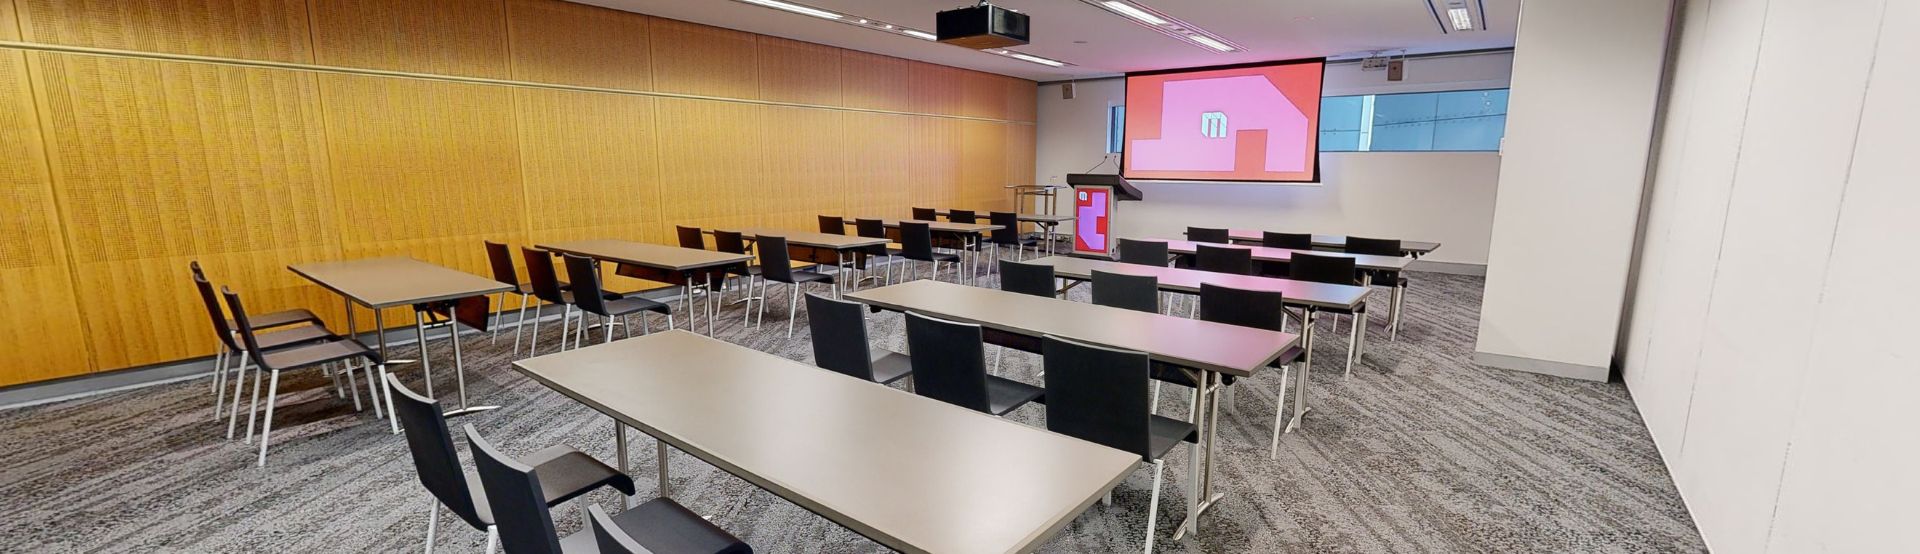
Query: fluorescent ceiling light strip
x=796, y=8
x=1035, y=59
x=921, y=34
x=1210, y=43
x=1130, y=10
x=1462, y=19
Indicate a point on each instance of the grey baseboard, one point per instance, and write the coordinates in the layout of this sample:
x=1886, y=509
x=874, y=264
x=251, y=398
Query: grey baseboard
x=1452, y=268
x=1543, y=367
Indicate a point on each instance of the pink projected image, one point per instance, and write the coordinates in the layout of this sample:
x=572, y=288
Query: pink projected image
x=1242, y=123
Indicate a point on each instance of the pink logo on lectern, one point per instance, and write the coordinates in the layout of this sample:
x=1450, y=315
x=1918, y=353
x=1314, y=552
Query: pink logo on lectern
x=1255, y=104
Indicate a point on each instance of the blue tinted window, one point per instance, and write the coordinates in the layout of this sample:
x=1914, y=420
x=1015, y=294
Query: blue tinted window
x=1472, y=120
x=1116, y=128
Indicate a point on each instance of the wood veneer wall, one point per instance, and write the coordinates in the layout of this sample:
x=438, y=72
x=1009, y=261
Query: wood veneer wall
x=251, y=134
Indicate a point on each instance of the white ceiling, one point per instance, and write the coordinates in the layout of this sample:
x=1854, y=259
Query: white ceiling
x=1099, y=43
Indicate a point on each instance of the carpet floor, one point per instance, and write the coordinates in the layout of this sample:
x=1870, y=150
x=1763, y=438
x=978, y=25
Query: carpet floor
x=1419, y=450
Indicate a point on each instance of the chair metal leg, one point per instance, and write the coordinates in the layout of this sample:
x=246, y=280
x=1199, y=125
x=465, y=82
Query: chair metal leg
x=433, y=520
x=459, y=364
x=517, y=322
x=493, y=538
x=253, y=406
x=1353, y=344
x=426, y=358
x=1279, y=408
x=219, y=380
x=1153, y=402
x=566, y=318
x=499, y=308
x=793, y=306
x=1153, y=502
x=535, y=347
x=353, y=385
x=373, y=394
x=233, y=403
x=765, y=295
x=266, y=428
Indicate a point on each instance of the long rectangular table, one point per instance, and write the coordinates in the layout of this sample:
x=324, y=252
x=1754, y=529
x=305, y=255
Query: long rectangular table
x=911, y=473
x=1361, y=261
x=380, y=283
x=969, y=233
x=1413, y=248
x=1049, y=223
x=1203, y=349
x=657, y=262
x=1311, y=297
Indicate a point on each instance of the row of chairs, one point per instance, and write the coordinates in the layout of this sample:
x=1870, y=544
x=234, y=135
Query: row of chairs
x=1301, y=241
x=583, y=291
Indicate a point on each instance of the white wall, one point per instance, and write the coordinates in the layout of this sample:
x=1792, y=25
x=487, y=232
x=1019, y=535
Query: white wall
x=1586, y=80
x=1442, y=196
x=1767, y=346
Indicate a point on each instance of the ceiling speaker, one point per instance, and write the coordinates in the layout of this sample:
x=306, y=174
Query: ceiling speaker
x=1066, y=91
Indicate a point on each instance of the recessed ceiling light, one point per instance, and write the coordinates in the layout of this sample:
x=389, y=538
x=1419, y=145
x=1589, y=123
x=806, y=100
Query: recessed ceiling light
x=1130, y=11
x=1165, y=24
x=796, y=8
x=921, y=34
x=1462, y=19
x=1210, y=43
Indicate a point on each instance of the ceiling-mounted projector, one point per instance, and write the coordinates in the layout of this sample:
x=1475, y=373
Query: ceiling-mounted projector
x=981, y=27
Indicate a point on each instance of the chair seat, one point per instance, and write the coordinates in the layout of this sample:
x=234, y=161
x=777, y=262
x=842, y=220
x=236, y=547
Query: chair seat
x=890, y=366
x=564, y=473
x=281, y=339
x=800, y=276
x=1164, y=433
x=284, y=318
x=1003, y=395
x=663, y=526
x=633, y=305
x=312, y=355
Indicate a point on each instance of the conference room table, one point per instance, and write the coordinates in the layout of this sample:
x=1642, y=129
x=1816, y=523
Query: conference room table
x=1310, y=297
x=821, y=248
x=381, y=283
x=970, y=235
x=1049, y=223
x=1204, y=351
x=1367, y=262
x=658, y=262
x=911, y=473
x=1333, y=242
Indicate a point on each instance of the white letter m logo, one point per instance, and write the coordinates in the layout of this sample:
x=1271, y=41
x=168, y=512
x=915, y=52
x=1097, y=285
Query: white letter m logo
x=1213, y=124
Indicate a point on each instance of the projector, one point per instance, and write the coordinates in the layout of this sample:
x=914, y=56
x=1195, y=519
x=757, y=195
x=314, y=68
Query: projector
x=982, y=27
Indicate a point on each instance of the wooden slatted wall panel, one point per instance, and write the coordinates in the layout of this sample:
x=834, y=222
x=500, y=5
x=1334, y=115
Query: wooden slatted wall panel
x=9, y=21
x=935, y=89
x=935, y=158
x=712, y=169
x=273, y=30
x=440, y=37
x=877, y=82
x=1022, y=99
x=591, y=169
x=880, y=171
x=690, y=58
x=806, y=165
x=41, y=322
x=800, y=72
x=158, y=164
x=576, y=44
x=426, y=169
x=983, y=165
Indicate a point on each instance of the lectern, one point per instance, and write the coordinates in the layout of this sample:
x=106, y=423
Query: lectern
x=1095, y=197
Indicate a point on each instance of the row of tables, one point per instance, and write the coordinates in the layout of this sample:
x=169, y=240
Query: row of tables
x=919, y=479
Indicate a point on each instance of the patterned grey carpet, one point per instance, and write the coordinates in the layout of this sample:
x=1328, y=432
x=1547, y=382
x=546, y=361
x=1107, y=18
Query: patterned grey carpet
x=1419, y=451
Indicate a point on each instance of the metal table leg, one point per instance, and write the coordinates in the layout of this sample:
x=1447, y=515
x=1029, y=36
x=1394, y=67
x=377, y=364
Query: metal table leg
x=386, y=389
x=1300, y=407
x=1206, y=417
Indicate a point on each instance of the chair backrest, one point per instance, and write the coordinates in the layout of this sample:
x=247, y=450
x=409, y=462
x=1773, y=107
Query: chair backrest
x=1290, y=241
x=691, y=237
x=1103, y=394
x=197, y=272
x=214, y=312
x=243, y=327
x=1034, y=279
x=585, y=278
x=1143, y=252
x=1323, y=269
x=1247, y=308
x=513, y=492
x=870, y=228
x=833, y=225
x=776, y=264
x=1133, y=292
x=501, y=258
x=949, y=361
x=540, y=274
x=609, y=536
x=731, y=242
x=433, y=455
x=1223, y=259
x=839, y=336
x=1374, y=247
x=925, y=214
x=1208, y=234
x=916, y=240
x=962, y=216
x=1009, y=231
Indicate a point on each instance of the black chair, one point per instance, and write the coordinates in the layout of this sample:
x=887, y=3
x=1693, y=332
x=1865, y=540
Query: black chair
x=732, y=242
x=833, y=225
x=1223, y=259
x=1031, y=279
x=691, y=237
x=916, y=243
x=223, y=329
x=877, y=229
x=568, y=473
x=1290, y=241
x=776, y=266
x=621, y=534
x=516, y=494
x=1008, y=235
x=1134, y=292
x=950, y=365
x=1208, y=234
x=1099, y=395
x=272, y=362
x=1339, y=271
x=590, y=298
x=1260, y=310
x=1143, y=252
x=925, y=214
x=545, y=284
x=961, y=216
x=1395, y=279
x=223, y=350
x=501, y=259
x=840, y=342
